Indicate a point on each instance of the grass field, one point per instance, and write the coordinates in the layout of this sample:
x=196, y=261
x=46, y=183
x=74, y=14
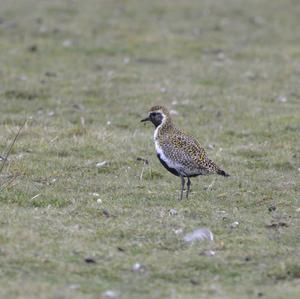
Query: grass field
x=78, y=210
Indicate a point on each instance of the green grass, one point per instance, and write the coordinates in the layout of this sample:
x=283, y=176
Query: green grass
x=84, y=73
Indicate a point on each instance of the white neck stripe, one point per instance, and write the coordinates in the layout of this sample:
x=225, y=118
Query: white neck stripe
x=163, y=121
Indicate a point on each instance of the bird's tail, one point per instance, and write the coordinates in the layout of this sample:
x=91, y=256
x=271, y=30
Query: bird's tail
x=222, y=172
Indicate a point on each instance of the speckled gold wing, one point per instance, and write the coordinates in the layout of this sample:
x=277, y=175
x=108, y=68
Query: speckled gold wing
x=186, y=150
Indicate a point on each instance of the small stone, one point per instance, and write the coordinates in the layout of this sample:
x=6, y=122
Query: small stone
x=258, y=20
x=235, y=224
x=23, y=78
x=272, y=208
x=76, y=227
x=173, y=212
x=221, y=56
x=282, y=99
x=208, y=253
x=163, y=90
x=99, y=200
x=74, y=286
x=298, y=210
x=126, y=60
x=110, y=294
x=199, y=235
x=110, y=74
x=260, y=294
x=194, y=281
x=101, y=164
x=67, y=43
x=50, y=74
x=51, y=113
x=33, y=48
x=178, y=231
x=106, y=213
x=137, y=267
x=77, y=106
x=43, y=29
x=89, y=260
x=39, y=20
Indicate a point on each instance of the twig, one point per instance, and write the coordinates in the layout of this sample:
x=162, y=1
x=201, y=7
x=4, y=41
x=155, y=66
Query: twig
x=209, y=188
x=145, y=162
x=142, y=172
x=35, y=196
x=4, y=159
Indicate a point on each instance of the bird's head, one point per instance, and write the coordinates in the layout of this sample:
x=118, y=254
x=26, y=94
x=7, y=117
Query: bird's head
x=157, y=115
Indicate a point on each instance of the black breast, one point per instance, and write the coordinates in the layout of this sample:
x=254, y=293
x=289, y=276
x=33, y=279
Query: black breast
x=172, y=170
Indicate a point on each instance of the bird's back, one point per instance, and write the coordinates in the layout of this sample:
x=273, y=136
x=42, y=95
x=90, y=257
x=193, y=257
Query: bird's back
x=186, y=153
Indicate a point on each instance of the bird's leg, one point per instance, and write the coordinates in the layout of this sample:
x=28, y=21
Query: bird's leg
x=182, y=186
x=188, y=187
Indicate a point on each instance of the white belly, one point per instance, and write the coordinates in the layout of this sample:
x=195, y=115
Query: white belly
x=160, y=152
x=169, y=162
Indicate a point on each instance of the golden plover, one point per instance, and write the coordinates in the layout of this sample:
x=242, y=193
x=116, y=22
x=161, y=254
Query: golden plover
x=178, y=152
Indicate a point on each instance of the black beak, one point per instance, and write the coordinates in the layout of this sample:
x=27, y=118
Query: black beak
x=145, y=119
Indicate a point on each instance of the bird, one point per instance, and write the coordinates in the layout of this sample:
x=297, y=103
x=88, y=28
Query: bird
x=180, y=153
